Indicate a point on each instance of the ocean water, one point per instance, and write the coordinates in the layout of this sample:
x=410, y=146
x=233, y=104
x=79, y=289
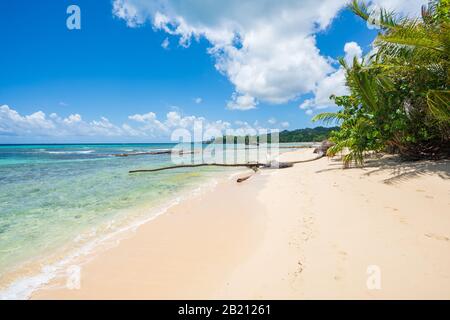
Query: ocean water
x=60, y=201
x=52, y=196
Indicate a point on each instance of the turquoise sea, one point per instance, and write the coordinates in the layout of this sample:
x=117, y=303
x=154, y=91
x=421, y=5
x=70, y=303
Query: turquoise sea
x=58, y=201
x=52, y=196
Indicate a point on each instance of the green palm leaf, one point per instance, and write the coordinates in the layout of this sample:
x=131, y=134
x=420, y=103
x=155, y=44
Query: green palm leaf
x=329, y=117
x=439, y=104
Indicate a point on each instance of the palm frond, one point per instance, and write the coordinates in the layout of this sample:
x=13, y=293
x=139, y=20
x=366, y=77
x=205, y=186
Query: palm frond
x=439, y=104
x=384, y=18
x=411, y=34
x=329, y=117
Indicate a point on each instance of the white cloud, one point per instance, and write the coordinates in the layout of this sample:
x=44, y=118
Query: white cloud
x=142, y=125
x=132, y=132
x=11, y=122
x=272, y=121
x=198, y=100
x=151, y=116
x=39, y=125
x=404, y=7
x=266, y=48
x=151, y=125
x=352, y=50
x=73, y=118
x=333, y=84
x=175, y=120
x=241, y=102
x=129, y=12
x=285, y=124
x=165, y=44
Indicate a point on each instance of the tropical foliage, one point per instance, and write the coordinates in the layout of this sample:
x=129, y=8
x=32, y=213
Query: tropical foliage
x=316, y=134
x=300, y=135
x=399, y=97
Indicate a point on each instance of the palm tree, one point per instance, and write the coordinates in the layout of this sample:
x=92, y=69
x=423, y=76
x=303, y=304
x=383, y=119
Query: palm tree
x=368, y=104
x=399, y=97
x=416, y=44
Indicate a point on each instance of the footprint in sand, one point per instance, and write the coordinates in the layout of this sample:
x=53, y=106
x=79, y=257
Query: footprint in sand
x=393, y=209
x=343, y=253
x=341, y=261
x=299, y=269
x=401, y=219
x=437, y=237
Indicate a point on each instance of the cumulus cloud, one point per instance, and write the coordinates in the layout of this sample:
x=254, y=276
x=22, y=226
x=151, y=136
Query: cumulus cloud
x=272, y=121
x=332, y=84
x=12, y=122
x=266, y=48
x=405, y=7
x=165, y=44
x=146, y=125
x=285, y=124
x=143, y=117
x=352, y=50
x=73, y=118
x=198, y=100
x=242, y=102
x=150, y=124
x=38, y=124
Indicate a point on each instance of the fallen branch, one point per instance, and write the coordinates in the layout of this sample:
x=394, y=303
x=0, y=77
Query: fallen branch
x=321, y=155
x=244, y=178
x=252, y=166
x=296, y=147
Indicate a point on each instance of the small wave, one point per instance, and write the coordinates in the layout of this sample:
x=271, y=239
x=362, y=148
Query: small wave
x=23, y=288
x=70, y=152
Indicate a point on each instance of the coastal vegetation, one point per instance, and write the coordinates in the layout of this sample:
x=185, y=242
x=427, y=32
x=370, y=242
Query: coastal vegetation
x=316, y=134
x=399, y=100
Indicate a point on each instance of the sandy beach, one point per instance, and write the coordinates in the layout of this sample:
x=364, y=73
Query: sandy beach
x=307, y=232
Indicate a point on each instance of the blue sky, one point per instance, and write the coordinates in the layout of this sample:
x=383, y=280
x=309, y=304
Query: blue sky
x=115, y=68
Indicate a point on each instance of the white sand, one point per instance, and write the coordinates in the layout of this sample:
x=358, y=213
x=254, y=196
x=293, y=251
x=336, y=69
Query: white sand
x=311, y=231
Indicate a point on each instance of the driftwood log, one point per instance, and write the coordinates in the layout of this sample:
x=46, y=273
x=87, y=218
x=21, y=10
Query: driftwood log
x=239, y=180
x=324, y=146
x=321, y=151
x=180, y=152
x=254, y=166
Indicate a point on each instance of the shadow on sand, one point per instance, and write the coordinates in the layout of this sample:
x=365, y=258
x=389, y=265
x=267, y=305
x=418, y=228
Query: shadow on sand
x=399, y=170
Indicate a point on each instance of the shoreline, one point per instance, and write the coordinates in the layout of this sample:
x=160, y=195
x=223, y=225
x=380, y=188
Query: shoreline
x=172, y=232
x=40, y=271
x=314, y=231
